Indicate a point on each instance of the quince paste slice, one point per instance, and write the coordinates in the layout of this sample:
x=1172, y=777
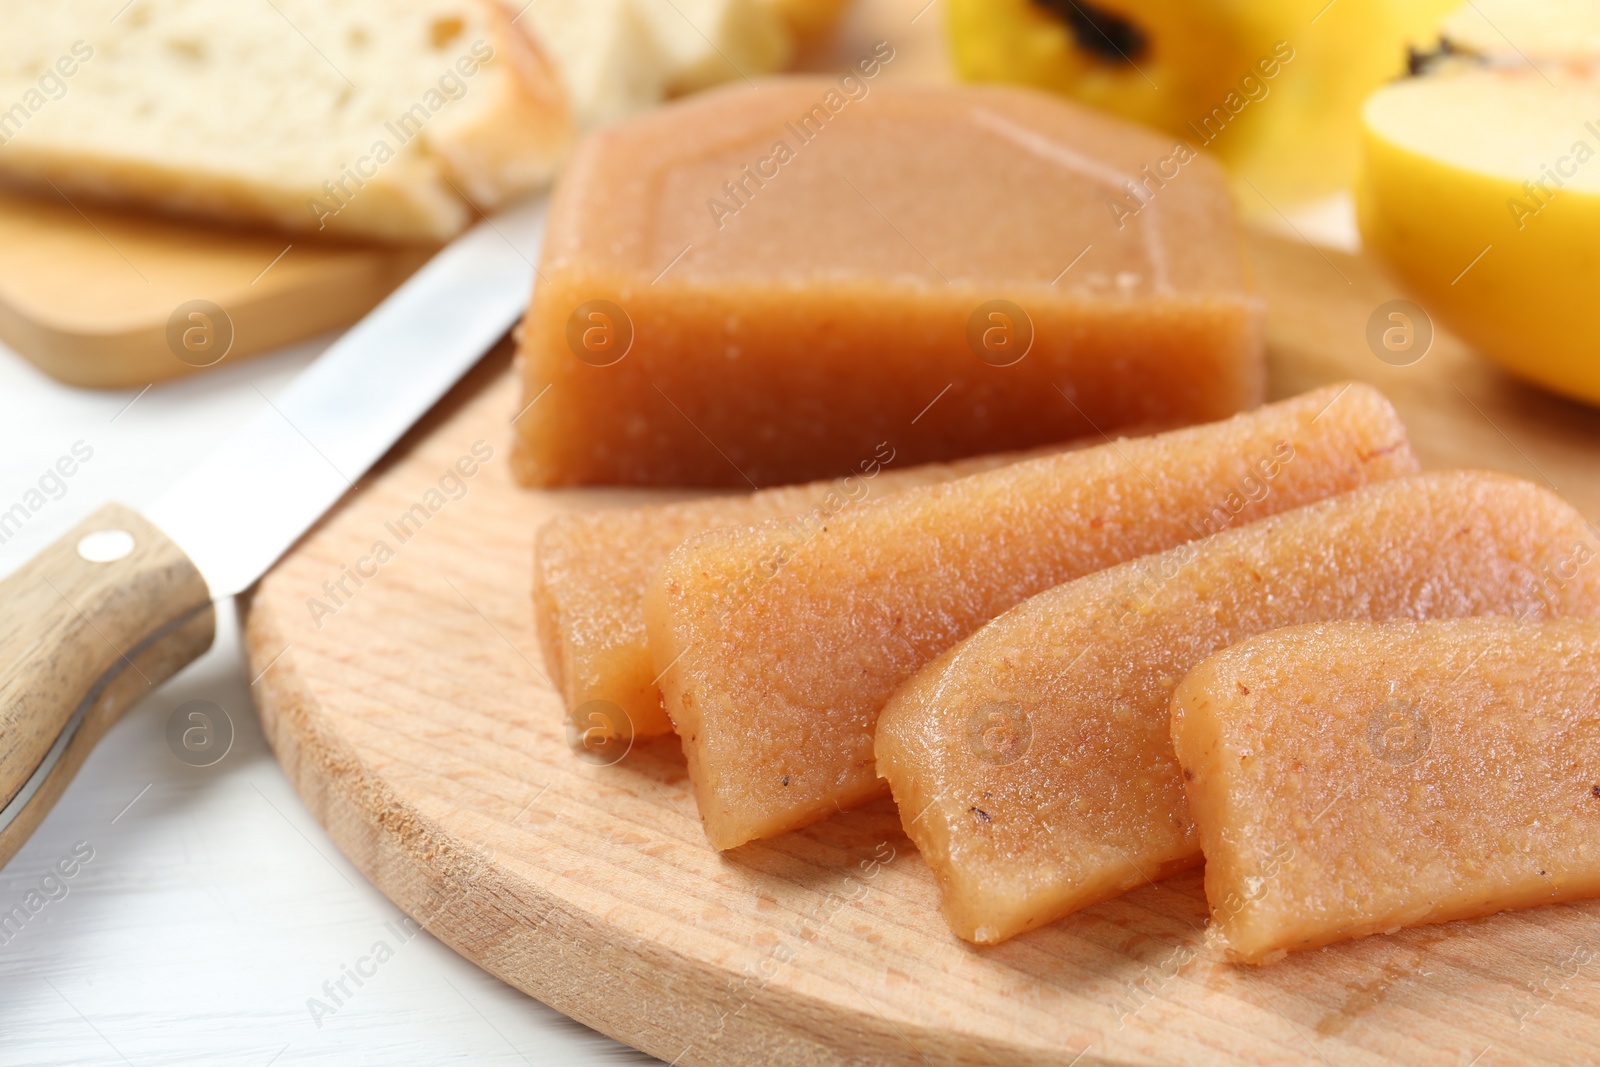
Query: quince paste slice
x=1354, y=778
x=591, y=571
x=776, y=654
x=1033, y=763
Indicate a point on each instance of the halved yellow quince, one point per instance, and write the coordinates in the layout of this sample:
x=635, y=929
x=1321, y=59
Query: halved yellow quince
x=1480, y=187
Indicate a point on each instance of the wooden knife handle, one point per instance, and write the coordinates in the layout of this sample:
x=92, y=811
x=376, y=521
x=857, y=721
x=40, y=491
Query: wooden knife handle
x=88, y=627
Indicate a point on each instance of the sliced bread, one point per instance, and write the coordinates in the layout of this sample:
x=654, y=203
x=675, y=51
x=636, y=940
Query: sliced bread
x=605, y=53
x=616, y=58
x=707, y=42
x=379, y=118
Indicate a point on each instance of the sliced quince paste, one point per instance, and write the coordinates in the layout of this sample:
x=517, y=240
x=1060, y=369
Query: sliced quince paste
x=591, y=570
x=1354, y=778
x=1033, y=764
x=776, y=654
x=758, y=284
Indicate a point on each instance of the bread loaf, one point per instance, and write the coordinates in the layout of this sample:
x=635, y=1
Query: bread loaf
x=616, y=58
x=605, y=53
x=388, y=119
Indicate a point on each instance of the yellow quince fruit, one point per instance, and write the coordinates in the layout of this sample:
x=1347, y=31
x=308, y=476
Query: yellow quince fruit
x=1272, y=87
x=1480, y=187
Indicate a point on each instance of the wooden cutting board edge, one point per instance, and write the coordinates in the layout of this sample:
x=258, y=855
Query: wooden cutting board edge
x=538, y=944
x=86, y=291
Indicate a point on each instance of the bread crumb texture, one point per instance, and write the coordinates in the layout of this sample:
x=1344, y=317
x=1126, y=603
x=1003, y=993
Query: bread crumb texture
x=390, y=120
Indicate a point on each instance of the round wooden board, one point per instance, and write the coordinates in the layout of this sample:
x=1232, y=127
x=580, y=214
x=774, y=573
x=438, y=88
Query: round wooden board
x=413, y=715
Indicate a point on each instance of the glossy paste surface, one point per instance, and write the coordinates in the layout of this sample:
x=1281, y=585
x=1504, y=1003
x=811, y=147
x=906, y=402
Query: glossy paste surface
x=592, y=568
x=1033, y=763
x=758, y=284
x=1354, y=778
x=779, y=650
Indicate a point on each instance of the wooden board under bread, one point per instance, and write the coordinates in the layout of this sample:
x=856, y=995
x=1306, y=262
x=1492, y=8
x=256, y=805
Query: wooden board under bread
x=415, y=719
x=87, y=291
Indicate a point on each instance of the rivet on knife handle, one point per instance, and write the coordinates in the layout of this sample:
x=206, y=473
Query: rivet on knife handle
x=88, y=627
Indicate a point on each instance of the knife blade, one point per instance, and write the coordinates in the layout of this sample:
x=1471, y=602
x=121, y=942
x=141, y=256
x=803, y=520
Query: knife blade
x=124, y=600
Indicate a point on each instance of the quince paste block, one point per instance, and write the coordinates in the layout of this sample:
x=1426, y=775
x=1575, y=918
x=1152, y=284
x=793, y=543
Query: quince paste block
x=776, y=657
x=592, y=569
x=1355, y=778
x=1033, y=763
x=758, y=284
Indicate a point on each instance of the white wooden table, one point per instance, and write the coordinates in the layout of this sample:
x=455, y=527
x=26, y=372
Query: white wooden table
x=213, y=907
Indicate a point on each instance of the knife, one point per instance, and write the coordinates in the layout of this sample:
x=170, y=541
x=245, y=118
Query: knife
x=124, y=600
